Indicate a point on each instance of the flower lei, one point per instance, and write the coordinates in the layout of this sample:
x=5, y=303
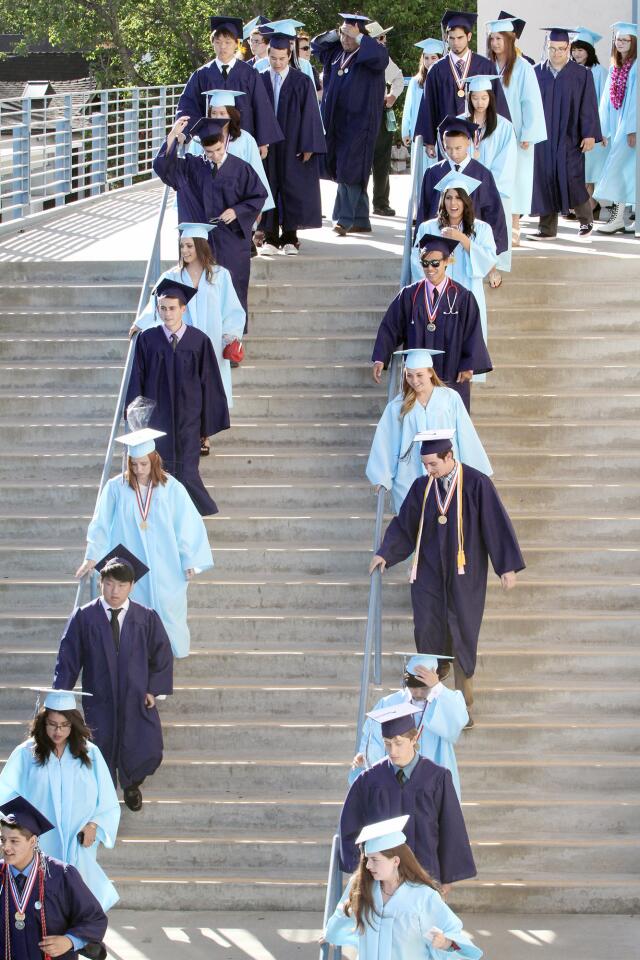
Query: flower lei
x=619, y=77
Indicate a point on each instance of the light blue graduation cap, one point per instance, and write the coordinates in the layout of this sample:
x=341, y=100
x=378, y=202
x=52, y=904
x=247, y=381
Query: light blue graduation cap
x=625, y=29
x=383, y=835
x=58, y=700
x=586, y=35
x=193, y=230
x=222, y=98
x=482, y=81
x=455, y=180
x=427, y=661
x=248, y=28
x=140, y=443
x=430, y=46
x=286, y=27
x=418, y=359
x=500, y=26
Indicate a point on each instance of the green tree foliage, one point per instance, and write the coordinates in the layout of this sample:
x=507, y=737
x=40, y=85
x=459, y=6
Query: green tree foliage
x=155, y=41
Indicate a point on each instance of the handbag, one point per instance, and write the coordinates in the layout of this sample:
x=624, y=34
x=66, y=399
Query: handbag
x=234, y=351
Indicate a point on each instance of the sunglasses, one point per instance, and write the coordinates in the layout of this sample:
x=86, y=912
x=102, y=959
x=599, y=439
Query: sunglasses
x=431, y=263
x=305, y=48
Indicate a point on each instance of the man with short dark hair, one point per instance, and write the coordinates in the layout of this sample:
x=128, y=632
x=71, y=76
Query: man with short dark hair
x=124, y=654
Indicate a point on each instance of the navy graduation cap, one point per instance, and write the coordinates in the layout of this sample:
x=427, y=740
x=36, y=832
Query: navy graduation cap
x=20, y=813
x=233, y=24
x=120, y=554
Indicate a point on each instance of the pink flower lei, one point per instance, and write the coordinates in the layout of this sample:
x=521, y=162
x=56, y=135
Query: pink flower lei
x=619, y=77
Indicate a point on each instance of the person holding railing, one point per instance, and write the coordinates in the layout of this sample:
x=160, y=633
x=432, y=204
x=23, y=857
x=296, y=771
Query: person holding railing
x=453, y=522
x=392, y=908
x=405, y=782
x=444, y=716
x=152, y=514
x=122, y=650
x=424, y=403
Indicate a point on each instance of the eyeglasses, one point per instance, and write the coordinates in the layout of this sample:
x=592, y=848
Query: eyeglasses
x=305, y=48
x=431, y=263
x=58, y=726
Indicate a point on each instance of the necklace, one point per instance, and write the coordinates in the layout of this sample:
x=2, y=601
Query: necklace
x=146, y=506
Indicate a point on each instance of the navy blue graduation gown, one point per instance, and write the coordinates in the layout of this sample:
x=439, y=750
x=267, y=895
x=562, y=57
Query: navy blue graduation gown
x=458, y=332
x=571, y=113
x=202, y=197
x=446, y=603
x=69, y=908
x=352, y=107
x=440, y=98
x=128, y=734
x=256, y=113
x=190, y=402
x=295, y=185
x=487, y=204
x=435, y=831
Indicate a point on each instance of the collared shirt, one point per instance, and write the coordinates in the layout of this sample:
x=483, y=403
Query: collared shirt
x=439, y=287
x=219, y=64
x=461, y=165
x=410, y=767
x=122, y=611
x=393, y=78
x=179, y=333
x=457, y=59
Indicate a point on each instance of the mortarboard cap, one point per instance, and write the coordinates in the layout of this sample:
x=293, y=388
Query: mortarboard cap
x=585, y=35
x=58, y=699
x=483, y=81
x=395, y=719
x=375, y=30
x=207, y=127
x=458, y=18
x=232, y=24
x=455, y=180
x=281, y=41
x=287, y=27
x=248, y=28
x=624, y=28
x=430, y=46
x=222, y=98
x=557, y=34
x=384, y=835
x=429, y=661
x=140, y=442
x=452, y=124
x=518, y=23
x=354, y=18
x=122, y=555
x=434, y=441
x=173, y=288
x=500, y=26
x=196, y=230
x=418, y=359
x=20, y=813
x=433, y=241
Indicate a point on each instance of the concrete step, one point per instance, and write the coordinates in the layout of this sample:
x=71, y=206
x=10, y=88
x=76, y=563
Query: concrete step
x=85, y=295
x=89, y=349
x=102, y=322
x=23, y=274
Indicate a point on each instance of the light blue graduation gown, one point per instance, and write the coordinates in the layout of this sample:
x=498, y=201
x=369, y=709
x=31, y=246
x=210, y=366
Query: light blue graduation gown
x=388, y=465
x=527, y=116
x=215, y=309
x=399, y=928
x=70, y=795
x=412, y=100
x=595, y=160
x=618, y=180
x=443, y=721
x=174, y=541
x=245, y=148
x=468, y=269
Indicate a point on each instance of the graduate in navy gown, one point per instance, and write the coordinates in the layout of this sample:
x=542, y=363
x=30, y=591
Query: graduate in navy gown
x=436, y=314
x=293, y=164
x=354, y=88
x=456, y=134
x=573, y=128
x=444, y=88
x=126, y=662
x=406, y=783
x=215, y=188
x=182, y=377
x=452, y=521
x=226, y=72
x=46, y=909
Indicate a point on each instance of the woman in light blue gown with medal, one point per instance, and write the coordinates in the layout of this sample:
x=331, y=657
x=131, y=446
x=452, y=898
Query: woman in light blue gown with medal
x=391, y=908
x=583, y=51
x=424, y=404
x=475, y=256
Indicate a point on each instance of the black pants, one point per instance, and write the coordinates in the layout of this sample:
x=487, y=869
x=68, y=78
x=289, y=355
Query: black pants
x=382, y=165
x=549, y=221
x=275, y=232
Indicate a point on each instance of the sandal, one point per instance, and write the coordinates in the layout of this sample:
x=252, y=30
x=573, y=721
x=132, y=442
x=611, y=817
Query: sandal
x=495, y=279
x=204, y=447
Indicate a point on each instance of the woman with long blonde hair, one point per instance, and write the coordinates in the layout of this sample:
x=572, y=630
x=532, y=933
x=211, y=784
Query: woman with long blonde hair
x=425, y=403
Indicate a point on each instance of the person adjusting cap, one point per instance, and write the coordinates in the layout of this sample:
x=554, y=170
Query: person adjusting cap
x=208, y=127
x=433, y=241
x=358, y=18
x=232, y=24
x=195, y=230
x=174, y=289
x=383, y=835
x=452, y=124
x=396, y=719
x=434, y=441
x=428, y=661
x=120, y=554
x=417, y=359
x=455, y=179
x=20, y=813
x=222, y=98
x=430, y=46
x=458, y=18
x=140, y=443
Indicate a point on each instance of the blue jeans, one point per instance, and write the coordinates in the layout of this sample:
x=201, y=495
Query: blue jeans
x=351, y=208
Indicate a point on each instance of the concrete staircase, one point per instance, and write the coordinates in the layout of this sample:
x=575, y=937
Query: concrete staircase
x=260, y=732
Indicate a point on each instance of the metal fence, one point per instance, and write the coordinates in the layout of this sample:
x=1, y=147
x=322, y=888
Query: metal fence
x=64, y=147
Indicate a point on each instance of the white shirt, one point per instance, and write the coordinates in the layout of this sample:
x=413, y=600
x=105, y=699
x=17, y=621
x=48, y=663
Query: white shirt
x=461, y=165
x=283, y=76
x=457, y=59
x=122, y=611
x=393, y=78
x=219, y=64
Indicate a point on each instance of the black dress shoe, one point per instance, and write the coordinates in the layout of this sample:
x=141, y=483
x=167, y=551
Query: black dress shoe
x=540, y=236
x=359, y=230
x=384, y=211
x=133, y=798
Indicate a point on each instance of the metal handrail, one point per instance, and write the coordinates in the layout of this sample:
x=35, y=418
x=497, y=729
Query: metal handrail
x=416, y=182
x=151, y=274
x=334, y=892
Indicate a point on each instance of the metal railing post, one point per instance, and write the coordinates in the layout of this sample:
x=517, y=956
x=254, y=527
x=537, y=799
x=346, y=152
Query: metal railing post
x=131, y=139
x=21, y=179
x=98, y=153
x=416, y=181
x=333, y=894
x=62, y=160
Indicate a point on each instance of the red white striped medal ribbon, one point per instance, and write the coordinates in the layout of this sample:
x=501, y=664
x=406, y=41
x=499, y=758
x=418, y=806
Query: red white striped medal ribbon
x=459, y=80
x=21, y=900
x=144, y=509
x=432, y=313
x=444, y=507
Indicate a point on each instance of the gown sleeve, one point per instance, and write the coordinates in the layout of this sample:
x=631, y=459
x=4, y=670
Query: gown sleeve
x=629, y=119
x=231, y=310
x=190, y=531
x=482, y=250
x=391, y=332
x=310, y=131
x=251, y=153
x=352, y=820
x=505, y=157
x=498, y=533
x=70, y=662
x=170, y=168
x=136, y=385
x=107, y=813
x=341, y=929
x=215, y=411
x=408, y=111
x=589, y=118
x=434, y=912
x=454, y=849
x=12, y=778
x=160, y=658
x=250, y=203
x=470, y=447
x=474, y=354
x=87, y=920
x=449, y=716
x=382, y=465
x=99, y=530
x=400, y=538
x=534, y=127
x=604, y=107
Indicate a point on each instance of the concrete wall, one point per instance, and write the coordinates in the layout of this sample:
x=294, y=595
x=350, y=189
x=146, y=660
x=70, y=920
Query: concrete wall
x=593, y=14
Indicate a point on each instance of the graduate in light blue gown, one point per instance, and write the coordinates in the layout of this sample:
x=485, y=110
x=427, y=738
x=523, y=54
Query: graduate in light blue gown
x=221, y=105
x=157, y=521
x=215, y=309
x=619, y=127
x=523, y=96
x=432, y=51
x=475, y=255
x=583, y=52
x=442, y=719
x=409, y=920
x=495, y=147
x=394, y=461
x=71, y=795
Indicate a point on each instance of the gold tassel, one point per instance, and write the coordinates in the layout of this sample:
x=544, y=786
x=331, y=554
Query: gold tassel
x=461, y=557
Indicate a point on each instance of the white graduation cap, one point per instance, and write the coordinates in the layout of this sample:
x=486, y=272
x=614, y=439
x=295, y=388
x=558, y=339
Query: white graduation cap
x=454, y=180
x=58, y=700
x=141, y=442
x=500, y=26
x=418, y=359
x=623, y=28
x=395, y=719
x=429, y=661
x=222, y=98
x=383, y=835
x=434, y=441
x=286, y=27
x=430, y=46
x=191, y=230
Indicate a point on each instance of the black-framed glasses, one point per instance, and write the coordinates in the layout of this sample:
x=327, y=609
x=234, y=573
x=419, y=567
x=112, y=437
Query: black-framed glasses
x=431, y=263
